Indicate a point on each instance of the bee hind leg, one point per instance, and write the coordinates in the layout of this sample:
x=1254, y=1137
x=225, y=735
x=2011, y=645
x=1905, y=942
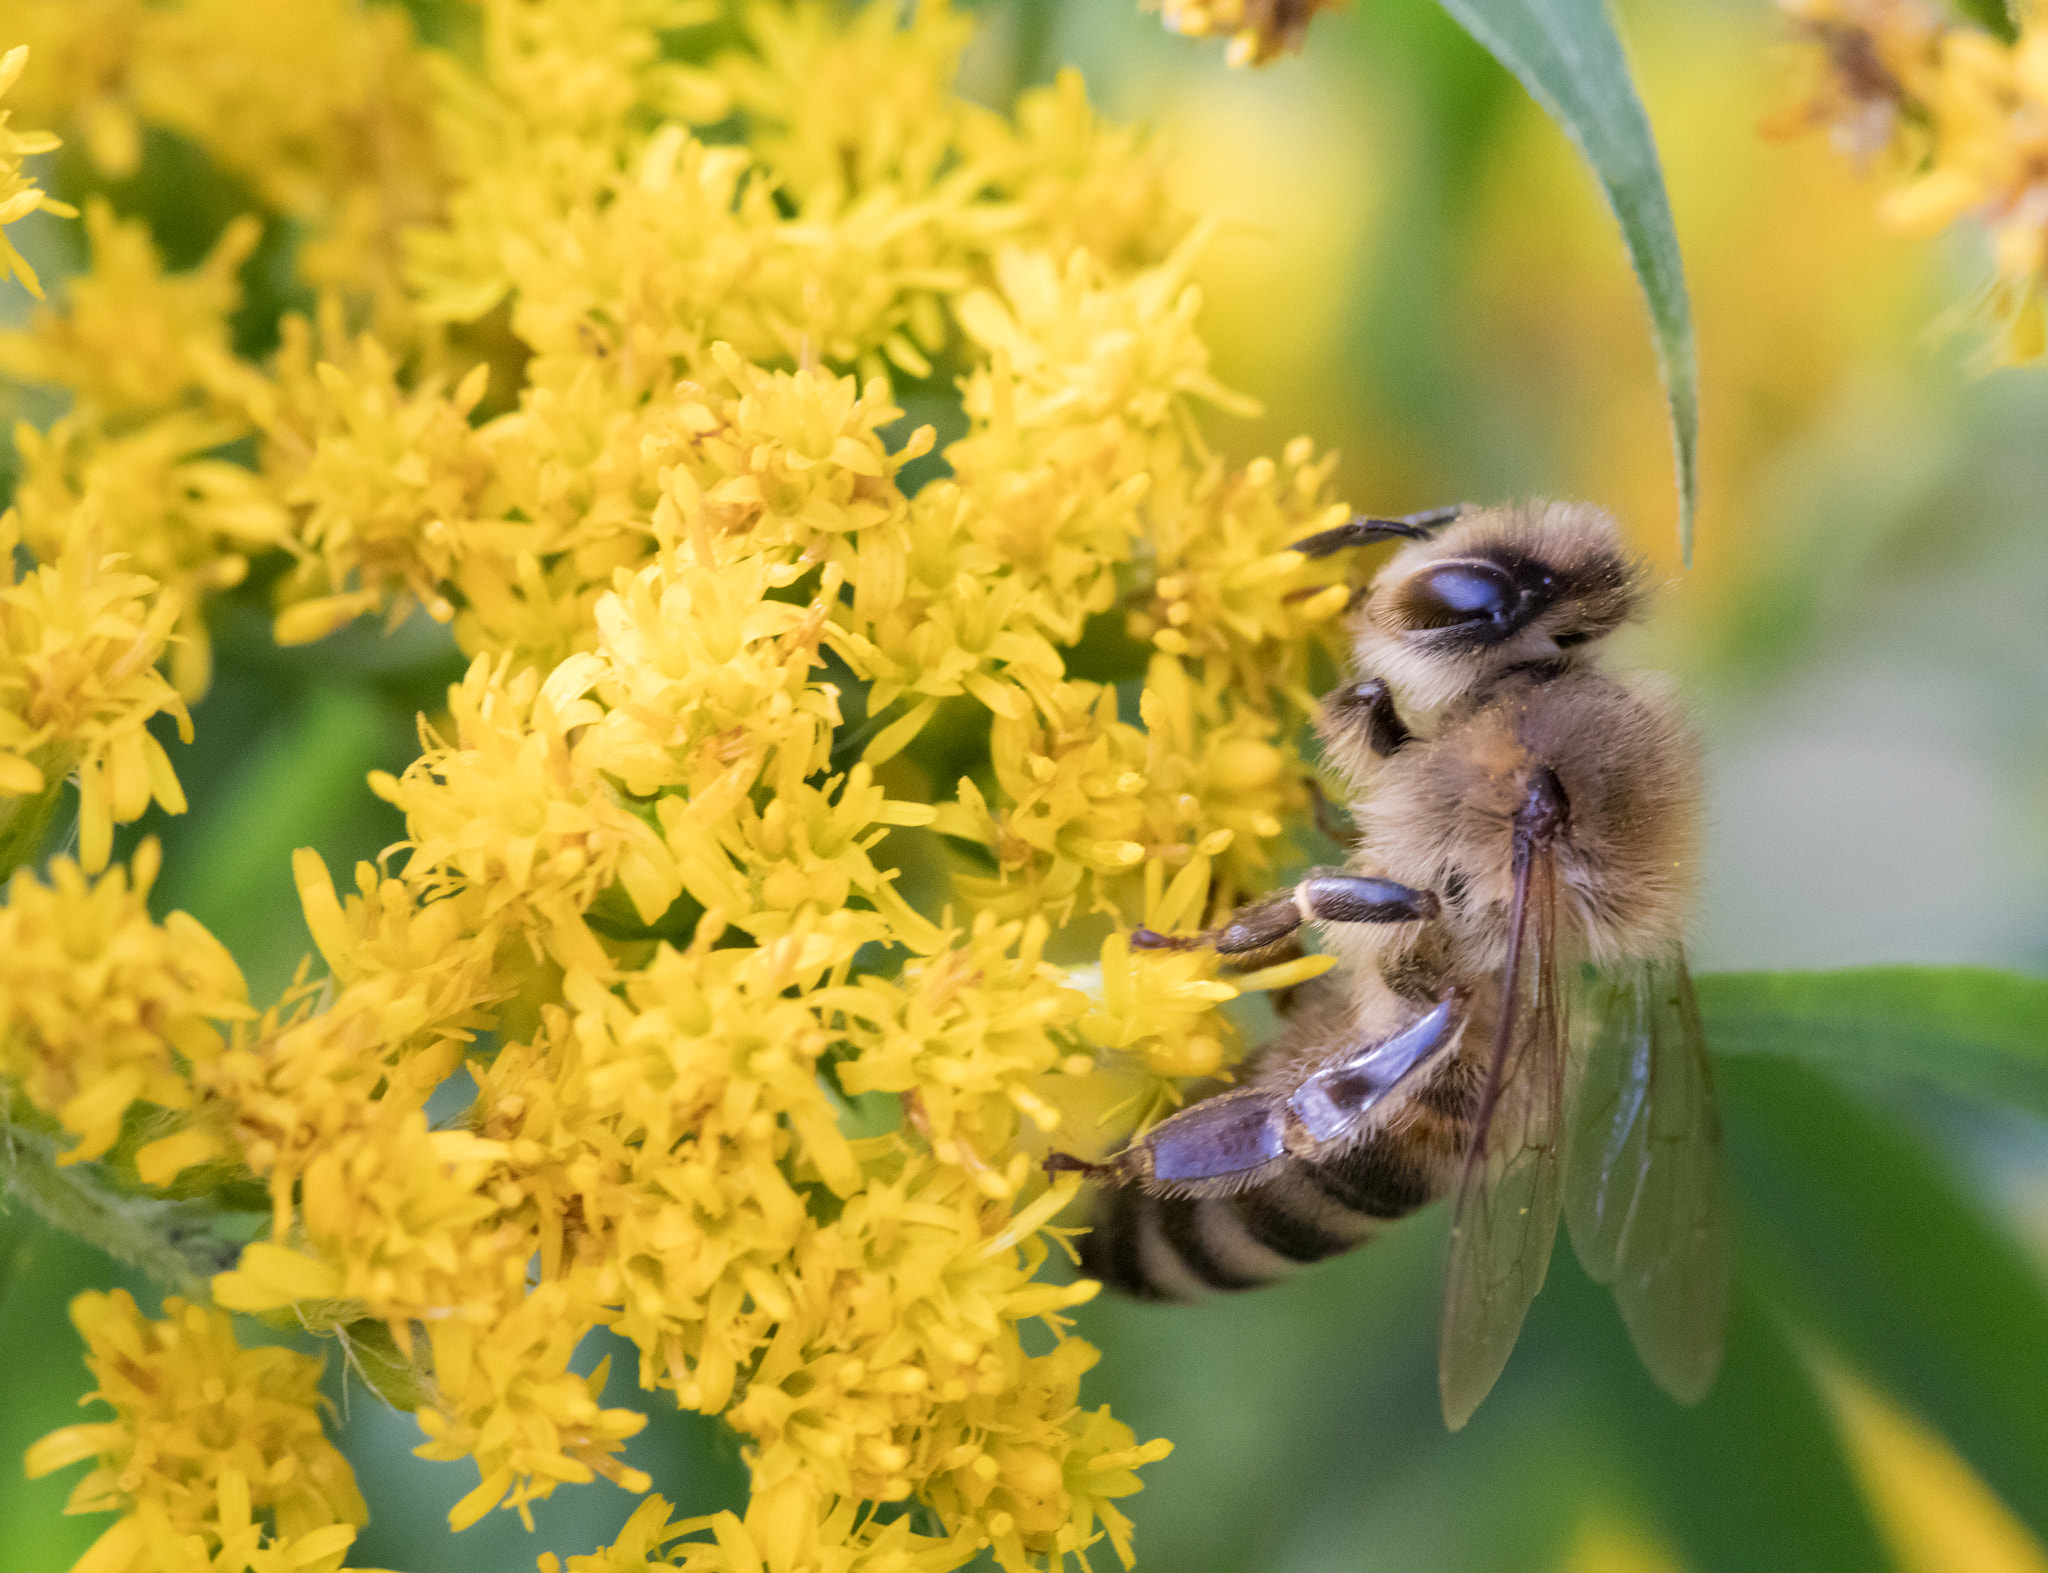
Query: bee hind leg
x=1218, y=1143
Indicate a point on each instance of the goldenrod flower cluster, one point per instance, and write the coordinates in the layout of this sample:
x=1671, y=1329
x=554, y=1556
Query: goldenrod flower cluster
x=216, y=1458
x=770, y=871
x=79, y=643
x=99, y=1005
x=1259, y=30
x=1959, y=117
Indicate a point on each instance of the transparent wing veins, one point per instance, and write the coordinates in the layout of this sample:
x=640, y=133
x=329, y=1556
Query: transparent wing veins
x=1644, y=1196
x=1509, y=1193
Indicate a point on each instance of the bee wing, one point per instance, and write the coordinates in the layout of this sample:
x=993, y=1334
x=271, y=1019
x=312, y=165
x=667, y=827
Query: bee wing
x=1648, y=1210
x=1509, y=1193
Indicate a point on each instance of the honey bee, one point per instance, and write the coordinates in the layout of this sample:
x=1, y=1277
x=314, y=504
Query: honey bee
x=1523, y=862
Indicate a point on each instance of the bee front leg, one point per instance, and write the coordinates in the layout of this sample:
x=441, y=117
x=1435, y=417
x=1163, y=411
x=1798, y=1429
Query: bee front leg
x=1329, y=818
x=1363, y=712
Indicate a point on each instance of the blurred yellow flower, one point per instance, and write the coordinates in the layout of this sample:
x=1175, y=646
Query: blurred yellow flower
x=1963, y=119
x=1934, y=1509
x=19, y=195
x=1259, y=30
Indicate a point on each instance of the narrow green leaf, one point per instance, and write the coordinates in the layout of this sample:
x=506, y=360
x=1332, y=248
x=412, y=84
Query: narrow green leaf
x=1569, y=57
x=1865, y=1242
x=1969, y=1030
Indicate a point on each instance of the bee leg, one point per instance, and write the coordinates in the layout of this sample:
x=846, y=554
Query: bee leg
x=1222, y=1138
x=1331, y=895
x=1326, y=896
x=1330, y=820
x=1365, y=708
x=1330, y=1103
x=1364, y=530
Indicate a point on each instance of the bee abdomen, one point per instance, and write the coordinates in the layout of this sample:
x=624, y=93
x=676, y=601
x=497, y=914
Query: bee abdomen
x=1376, y=1179
x=1156, y=1247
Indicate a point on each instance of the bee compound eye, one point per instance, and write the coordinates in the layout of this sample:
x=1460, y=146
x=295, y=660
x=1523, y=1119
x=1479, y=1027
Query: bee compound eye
x=1461, y=592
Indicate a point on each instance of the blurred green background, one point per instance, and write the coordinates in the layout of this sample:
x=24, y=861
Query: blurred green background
x=1418, y=272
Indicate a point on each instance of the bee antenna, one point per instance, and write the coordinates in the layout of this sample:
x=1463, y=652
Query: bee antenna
x=1366, y=530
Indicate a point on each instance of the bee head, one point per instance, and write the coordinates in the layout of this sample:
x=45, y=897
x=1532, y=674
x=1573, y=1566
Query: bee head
x=1498, y=588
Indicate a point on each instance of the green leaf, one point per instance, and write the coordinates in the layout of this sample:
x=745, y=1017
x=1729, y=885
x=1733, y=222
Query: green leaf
x=1993, y=16
x=1865, y=1242
x=1968, y=1030
x=1567, y=54
x=1715, y=1473
x=373, y=1355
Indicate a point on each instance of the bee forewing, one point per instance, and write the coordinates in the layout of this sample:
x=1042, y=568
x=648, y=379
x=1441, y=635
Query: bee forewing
x=1644, y=1195
x=1508, y=1197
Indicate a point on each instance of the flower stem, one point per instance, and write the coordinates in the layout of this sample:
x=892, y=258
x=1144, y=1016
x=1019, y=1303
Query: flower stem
x=170, y=1241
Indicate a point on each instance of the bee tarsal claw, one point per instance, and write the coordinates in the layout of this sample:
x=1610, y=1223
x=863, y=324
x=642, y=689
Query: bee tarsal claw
x=1057, y=1163
x=1152, y=939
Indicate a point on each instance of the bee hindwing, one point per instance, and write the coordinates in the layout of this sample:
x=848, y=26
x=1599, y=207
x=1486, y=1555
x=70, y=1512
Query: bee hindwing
x=1645, y=1198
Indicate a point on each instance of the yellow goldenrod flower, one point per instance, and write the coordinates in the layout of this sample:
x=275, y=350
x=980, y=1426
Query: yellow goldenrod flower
x=380, y=478
x=98, y=1004
x=133, y=341
x=215, y=1458
x=1259, y=30
x=19, y=195
x=514, y=814
x=323, y=107
x=1080, y=180
x=82, y=50
x=1158, y=999
x=155, y=389
x=968, y=1033
x=78, y=645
